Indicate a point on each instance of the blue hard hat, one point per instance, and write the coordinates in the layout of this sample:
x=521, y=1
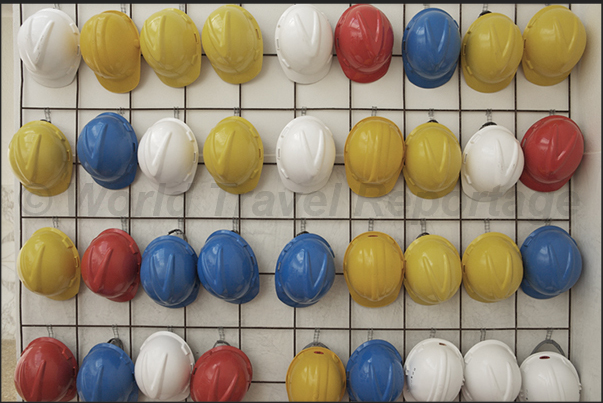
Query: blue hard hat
x=375, y=372
x=228, y=268
x=552, y=262
x=168, y=272
x=431, y=46
x=107, y=375
x=108, y=150
x=305, y=270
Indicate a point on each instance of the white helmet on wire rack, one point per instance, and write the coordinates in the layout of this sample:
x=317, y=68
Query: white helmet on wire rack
x=305, y=154
x=164, y=366
x=168, y=155
x=549, y=376
x=434, y=371
x=304, y=43
x=49, y=45
x=492, y=163
x=491, y=373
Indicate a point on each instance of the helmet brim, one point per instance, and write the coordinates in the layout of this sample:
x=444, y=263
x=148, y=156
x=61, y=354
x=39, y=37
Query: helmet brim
x=481, y=86
x=424, y=194
x=186, y=79
x=472, y=193
x=421, y=81
x=360, y=77
x=305, y=78
x=368, y=190
x=527, y=179
x=531, y=292
x=303, y=189
x=121, y=86
x=125, y=181
x=71, y=291
x=538, y=79
x=245, y=187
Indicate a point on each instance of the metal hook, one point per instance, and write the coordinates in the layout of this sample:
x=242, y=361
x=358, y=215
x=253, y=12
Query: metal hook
x=170, y=328
x=484, y=9
x=370, y=335
x=115, y=332
x=181, y=7
x=116, y=341
x=430, y=114
x=316, y=335
x=47, y=115
x=176, y=112
x=302, y=225
x=547, y=221
x=50, y=331
x=489, y=115
x=549, y=340
x=425, y=5
x=121, y=111
x=55, y=222
x=123, y=7
x=303, y=111
x=549, y=334
x=482, y=334
x=371, y=224
x=235, y=225
x=179, y=233
x=486, y=225
x=551, y=112
x=432, y=333
x=236, y=111
x=423, y=227
x=374, y=111
x=56, y=6
x=221, y=338
x=124, y=224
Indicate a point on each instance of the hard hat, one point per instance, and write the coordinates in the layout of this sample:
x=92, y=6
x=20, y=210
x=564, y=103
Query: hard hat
x=305, y=270
x=491, y=52
x=492, y=267
x=49, y=264
x=233, y=43
x=554, y=41
x=364, y=40
x=373, y=267
x=164, y=366
x=552, y=262
x=492, y=163
x=433, y=161
x=111, y=48
x=374, y=156
x=375, y=372
x=107, y=148
x=433, y=270
x=228, y=268
x=171, y=45
x=221, y=374
x=553, y=148
x=234, y=155
x=431, y=45
x=107, y=375
x=491, y=373
x=305, y=154
x=434, y=371
x=304, y=43
x=316, y=374
x=168, y=272
x=40, y=157
x=111, y=265
x=168, y=155
x=549, y=376
x=49, y=45
x=46, y=372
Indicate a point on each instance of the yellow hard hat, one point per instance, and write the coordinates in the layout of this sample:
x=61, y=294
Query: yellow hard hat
x=374, y=156
x=49, y=264
x=110, y=46
x=171, y=45
x=433, y=161
x=491, y=52
x=492, y=267
x=41, y=158
x=234, y=155
x=373, y=267
x=316, y=374
x=554, y=41
x=233, y=43
x=433, y=270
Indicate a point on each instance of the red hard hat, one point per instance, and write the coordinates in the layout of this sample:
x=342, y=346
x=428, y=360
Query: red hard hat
x=363, y=41
x=553, y=148
x=111, y=265
x=46, y=372
x=222, y=374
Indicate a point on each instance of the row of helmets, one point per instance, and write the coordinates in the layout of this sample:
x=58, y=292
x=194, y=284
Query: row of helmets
x=165, y=370
x=434, y=370
x=490, y=51
x=375, y=154
x=492, y=268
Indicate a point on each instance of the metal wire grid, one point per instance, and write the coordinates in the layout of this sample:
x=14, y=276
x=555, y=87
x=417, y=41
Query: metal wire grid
x=294, y=220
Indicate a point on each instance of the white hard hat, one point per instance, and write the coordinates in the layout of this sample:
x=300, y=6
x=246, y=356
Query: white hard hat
x=168, y=155
x=491, y=373
x=49, y=45
x=304, y=43
x=164, y=366
x=549, y=376
x=305, y=154
x=492, y=163
x=434, y=371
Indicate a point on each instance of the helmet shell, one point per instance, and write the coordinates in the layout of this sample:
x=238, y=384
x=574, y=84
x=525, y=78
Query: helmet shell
x=221, y=374
x=107, y=375
x=364, y=40
x=552, y=262
x=46, y=371
x=431, y=45
x=228, y=268
x=553, y=148
x=305, y=270
x=111, y=265
x=549, y=376
x=316, y=374
x=168, y=272
x=375, y=372
x=107, y=148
